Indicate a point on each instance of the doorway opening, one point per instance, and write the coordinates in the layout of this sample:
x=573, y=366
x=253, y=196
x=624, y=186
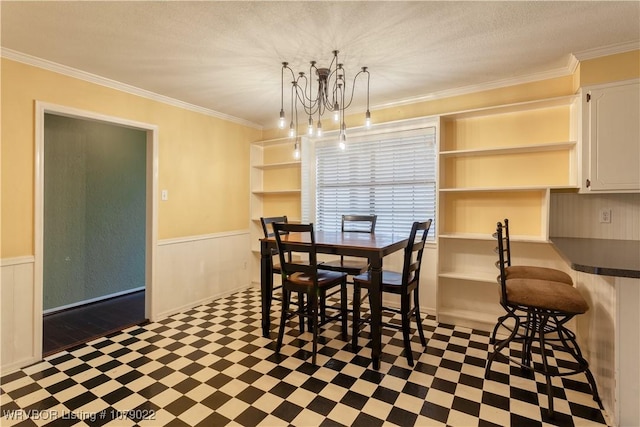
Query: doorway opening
x=96, y=225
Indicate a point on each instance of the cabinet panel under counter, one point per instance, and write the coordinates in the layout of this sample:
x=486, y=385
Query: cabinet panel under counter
x=607, y=274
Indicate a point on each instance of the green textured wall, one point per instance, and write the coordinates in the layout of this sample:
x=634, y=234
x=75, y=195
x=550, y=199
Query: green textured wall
x=94, y=210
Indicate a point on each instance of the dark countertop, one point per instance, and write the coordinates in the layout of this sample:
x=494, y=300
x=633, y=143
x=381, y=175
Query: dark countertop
x=605, y=257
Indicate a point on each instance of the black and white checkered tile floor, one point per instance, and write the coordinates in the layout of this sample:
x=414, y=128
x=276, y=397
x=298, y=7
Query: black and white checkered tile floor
x=211, y=366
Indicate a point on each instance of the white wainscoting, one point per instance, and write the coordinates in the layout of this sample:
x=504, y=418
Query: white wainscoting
x=610, y=339
x=189, y=272
x=17, y=316
x=196, y=270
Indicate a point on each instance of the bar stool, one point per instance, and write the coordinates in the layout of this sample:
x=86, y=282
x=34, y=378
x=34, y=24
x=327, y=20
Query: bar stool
x=539, y=308
x=528, y=271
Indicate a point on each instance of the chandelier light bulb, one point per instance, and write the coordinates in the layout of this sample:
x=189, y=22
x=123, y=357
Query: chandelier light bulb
x=343, y=139
x=310, y=127
x=296, y=150
x=320, y=90
x=367, y=119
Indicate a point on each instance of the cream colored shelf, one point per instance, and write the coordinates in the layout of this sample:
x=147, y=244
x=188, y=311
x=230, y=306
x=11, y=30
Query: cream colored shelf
x=506, y=189
x=272, y=142
x=470, y=277
x=275, y=192
x=515, y=107
x=491, y=151
x=489, y=237
x=275, y=182
x=468, y=318
x=278, y=165
x=495, y=164
x=291, y=220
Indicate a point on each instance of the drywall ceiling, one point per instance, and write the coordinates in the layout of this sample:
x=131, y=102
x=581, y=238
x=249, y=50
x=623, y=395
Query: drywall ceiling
x=225, y=56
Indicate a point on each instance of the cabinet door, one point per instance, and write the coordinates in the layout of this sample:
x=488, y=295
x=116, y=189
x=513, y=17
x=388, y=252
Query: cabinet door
x=614, y=138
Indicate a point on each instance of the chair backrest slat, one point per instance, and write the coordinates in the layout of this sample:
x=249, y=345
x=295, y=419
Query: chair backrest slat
x=413, y=252
x=302, y=256
x=267, y=223
x=359, y=223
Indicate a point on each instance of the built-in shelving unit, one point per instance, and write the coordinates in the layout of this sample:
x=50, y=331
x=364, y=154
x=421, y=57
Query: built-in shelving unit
x=275, y=189
x=495, y=163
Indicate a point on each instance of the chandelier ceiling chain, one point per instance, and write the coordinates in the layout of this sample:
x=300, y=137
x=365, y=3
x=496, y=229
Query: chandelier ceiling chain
x=329, y=93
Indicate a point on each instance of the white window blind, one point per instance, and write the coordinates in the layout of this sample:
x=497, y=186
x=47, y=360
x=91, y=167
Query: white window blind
x=392, y=175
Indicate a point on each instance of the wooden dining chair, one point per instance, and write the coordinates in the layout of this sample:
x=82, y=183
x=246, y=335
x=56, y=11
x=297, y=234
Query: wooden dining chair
x=267, y=228
x=537, y=311
x=403, y=283
x=305, y=277
x=356, y=224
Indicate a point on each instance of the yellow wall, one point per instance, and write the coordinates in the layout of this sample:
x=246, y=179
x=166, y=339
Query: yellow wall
x=623, y=66
x=203, y=160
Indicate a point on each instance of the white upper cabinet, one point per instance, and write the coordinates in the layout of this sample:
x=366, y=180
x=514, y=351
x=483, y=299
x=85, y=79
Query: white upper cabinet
x=611, y=137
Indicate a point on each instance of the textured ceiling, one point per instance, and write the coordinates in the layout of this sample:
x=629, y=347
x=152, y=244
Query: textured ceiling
x=225, y=56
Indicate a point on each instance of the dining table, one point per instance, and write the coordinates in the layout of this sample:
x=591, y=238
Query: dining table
x=372, y=246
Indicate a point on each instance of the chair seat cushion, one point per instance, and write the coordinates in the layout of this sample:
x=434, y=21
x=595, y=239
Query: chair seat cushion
x=545, y=294
x=540, y=273
x=347, y=265
x=325, y=278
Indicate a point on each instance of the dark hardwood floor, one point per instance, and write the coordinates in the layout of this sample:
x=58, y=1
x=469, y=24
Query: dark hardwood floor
x=68, y=328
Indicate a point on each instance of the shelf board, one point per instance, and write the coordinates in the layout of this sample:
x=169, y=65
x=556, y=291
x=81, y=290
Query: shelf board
x=282, y=165
x=489, y=237
x=471, y=277
x=290, y=220
x=556, y=146
x=512, y=108
x=506, y=189
x=275, y=141
x=275, y=192
x=468, y=318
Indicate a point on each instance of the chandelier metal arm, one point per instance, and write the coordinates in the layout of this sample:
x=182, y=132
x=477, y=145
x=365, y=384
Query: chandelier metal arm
x=329, y=93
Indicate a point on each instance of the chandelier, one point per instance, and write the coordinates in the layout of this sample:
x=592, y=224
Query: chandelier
x=329, y=93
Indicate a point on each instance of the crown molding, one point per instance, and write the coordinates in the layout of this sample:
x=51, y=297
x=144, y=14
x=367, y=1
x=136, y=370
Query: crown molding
x=572, y=64
x=113, y=84
x=607, y=50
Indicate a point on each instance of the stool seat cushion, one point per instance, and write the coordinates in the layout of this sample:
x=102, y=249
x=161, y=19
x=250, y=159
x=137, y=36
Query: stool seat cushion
x=545, y=294
x=540, y=273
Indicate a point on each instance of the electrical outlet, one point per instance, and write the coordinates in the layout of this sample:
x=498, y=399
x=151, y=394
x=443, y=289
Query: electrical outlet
x=605, y=215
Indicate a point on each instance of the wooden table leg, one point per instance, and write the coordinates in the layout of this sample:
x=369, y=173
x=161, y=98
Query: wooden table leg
x=376, y=311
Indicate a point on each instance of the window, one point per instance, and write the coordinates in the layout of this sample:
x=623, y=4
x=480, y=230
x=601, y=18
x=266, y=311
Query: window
x=392, y=175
